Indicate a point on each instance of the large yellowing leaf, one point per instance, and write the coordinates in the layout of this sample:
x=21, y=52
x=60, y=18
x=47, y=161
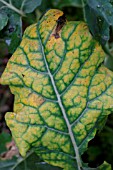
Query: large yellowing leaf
x=62, y=90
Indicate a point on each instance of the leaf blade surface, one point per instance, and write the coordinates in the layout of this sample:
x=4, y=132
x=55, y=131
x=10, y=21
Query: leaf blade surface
x=62, y=91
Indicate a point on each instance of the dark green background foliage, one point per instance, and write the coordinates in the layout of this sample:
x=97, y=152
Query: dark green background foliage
x=15, y=16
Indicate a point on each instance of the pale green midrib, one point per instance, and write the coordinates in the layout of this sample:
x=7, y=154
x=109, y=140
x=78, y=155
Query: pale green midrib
x=79, y=163
x=10, y=6
x=22, y=5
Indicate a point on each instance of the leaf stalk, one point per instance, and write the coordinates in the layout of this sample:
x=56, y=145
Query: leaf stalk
x=10, y=6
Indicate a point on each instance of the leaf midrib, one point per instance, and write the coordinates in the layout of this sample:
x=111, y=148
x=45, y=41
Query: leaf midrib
x=79, y=163
x=10, y=6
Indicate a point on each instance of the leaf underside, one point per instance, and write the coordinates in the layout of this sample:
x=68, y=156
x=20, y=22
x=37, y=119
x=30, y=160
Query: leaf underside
x=62, y=91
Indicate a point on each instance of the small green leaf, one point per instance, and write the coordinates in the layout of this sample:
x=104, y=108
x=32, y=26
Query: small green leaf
x=22, y=6
x=12, y=30
x=98, y=26
x=13, y=6
x=11, y=13
x=63, y=92
x=99, y=16
x=29, y=6
x=3, y=20
x=13, y=33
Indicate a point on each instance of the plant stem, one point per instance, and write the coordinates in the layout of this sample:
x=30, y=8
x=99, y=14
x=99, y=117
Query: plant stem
x=83, y=4
x=107, y=51
x=13, y=8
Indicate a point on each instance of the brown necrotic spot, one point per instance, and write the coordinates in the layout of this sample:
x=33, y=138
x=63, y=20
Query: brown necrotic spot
x=60, y=23
x=23, y=75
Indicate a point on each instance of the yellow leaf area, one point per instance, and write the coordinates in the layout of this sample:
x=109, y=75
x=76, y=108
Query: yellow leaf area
x=62, y=91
